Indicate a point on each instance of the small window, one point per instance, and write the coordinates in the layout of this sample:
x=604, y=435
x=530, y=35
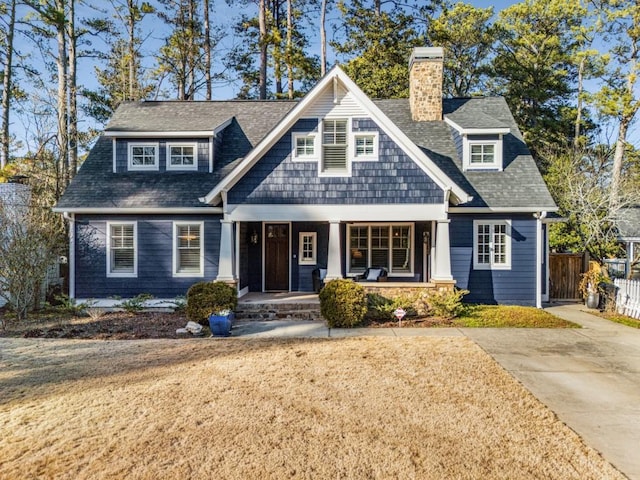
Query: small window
x=365, y=146
x=304, y=146
x=483, y=154
x=334, y=146
x=143, y=156
x=492, y=245
x=308, y=247
x=121, y=250
x=182, y=156
x=188, y=249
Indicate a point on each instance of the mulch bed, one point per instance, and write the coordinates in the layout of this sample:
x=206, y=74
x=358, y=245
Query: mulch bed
x=112, y=326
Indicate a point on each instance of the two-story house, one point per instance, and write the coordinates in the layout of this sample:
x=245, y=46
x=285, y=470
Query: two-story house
x=263, y=192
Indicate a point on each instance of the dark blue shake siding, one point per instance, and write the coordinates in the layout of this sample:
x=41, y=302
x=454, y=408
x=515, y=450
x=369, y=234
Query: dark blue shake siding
x=155, y=254
x=516, y=286
x=122, y=152
x=394, y=178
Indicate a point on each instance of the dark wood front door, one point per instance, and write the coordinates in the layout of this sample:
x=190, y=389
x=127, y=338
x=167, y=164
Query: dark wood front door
x=276, y=257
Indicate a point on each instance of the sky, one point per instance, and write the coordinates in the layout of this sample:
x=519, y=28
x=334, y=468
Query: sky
x=155, y=30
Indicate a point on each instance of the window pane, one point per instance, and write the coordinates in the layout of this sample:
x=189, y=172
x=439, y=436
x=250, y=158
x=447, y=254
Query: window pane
x=359, y=253
x=122, y=249
x=364, y=145
x=188, y=244
x=401, y=249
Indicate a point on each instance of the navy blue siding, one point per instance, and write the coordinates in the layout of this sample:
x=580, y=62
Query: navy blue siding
x=514, y=286
x=155, y=254
x=301, y=280
x=122, y=152
x=458, y=140
x=394, y=178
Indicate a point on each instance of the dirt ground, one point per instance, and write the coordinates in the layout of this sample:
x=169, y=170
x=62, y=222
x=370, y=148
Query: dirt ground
x=428, y=408
x=109, y=326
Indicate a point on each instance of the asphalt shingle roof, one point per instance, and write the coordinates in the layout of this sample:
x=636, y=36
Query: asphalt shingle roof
x=96, y=186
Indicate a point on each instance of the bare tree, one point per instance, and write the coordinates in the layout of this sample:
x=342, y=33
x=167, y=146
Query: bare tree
x=7, y=85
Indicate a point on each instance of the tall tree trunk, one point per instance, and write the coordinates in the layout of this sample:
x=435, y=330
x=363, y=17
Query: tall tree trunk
x=289, y=55
x=576, y=133
x=61, y=61
x=131, y=44
x=618, y=158
x=6, y=87
x=190, y=60
x=207, y=50
x=323, y=38
x=73, y=91
x=262, y=23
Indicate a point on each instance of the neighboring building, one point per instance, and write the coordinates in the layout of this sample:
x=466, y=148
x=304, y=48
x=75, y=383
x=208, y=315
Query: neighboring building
x=629, y=234
x=263, y=192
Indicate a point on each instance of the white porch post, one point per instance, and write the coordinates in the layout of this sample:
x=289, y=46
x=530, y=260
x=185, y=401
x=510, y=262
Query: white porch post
x=334, y=265
x=442, y=270
x=225, y=263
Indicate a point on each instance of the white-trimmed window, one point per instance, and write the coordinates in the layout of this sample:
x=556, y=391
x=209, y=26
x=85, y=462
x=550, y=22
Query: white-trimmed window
x=381, y=245
x=182, y=156
x=122, y=246
x=188, y=249
x=334, y=147
x=483, y=154
x=365, y=145
x=143, y=156
x=308, y=248
x=304, y=146
x=491, y=244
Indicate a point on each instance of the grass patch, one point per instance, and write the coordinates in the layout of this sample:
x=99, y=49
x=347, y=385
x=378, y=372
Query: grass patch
x=509, y=316
x=618, y=318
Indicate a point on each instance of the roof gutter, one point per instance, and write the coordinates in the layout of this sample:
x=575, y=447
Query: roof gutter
x=137, y=210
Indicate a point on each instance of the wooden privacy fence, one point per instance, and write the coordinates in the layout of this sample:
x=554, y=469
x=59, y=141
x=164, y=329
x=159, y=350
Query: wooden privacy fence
x=628, y=297
x=564, y=273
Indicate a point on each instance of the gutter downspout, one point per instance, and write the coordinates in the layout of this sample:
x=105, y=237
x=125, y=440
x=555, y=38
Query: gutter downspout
x=71, y=217
x=539, y=257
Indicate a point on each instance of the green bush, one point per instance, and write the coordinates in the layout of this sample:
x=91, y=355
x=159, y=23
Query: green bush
x=444, y=303
x=343, y=303
x=205, y=298
x=381, y=308
x=135, y=304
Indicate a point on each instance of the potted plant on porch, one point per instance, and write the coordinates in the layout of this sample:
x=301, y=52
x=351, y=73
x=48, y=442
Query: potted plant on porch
x=590, y=285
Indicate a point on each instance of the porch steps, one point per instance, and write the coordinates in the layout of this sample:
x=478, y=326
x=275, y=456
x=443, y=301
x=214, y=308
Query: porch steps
x=259, y=312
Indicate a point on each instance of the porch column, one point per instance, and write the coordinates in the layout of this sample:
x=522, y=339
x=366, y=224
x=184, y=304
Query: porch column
x=442, y=266
x=334, y=265
x=225, y=262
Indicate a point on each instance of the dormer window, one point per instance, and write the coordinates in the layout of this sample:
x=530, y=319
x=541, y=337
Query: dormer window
x=182, y=156
x=482, y=152
x=143, y=156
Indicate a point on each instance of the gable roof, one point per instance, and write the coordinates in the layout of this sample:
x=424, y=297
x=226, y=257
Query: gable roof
x=333, y=77
x=247, y=129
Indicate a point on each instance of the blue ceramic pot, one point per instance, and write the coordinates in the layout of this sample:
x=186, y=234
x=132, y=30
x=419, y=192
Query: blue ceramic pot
x=220, y=325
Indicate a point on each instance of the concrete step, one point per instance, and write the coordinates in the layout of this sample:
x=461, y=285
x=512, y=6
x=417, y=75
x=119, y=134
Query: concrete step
x=272, y=311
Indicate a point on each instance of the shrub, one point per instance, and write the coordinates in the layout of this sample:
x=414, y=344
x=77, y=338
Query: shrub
x=135, y=304
x=205, y=298
x=382, y=308
x=343, y=303
x=444, y=303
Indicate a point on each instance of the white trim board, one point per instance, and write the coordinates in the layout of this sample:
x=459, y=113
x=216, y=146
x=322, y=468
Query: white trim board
x=324, y=213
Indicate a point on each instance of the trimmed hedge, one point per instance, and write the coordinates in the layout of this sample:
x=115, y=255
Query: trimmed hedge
x=343, y=303
x=205, y=298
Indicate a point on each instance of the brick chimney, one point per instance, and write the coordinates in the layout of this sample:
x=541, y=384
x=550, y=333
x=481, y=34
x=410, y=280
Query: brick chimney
x=425, y=83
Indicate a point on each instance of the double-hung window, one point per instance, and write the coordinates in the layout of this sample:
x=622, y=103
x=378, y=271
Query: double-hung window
x=334, y=146
x=182, y=156
x=143, y=156
x=378, y=245
x=122, y=260
x=492, y=245
x=188, y=249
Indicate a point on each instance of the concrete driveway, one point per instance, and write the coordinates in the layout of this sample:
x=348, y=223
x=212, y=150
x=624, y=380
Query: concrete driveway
x=590, y=377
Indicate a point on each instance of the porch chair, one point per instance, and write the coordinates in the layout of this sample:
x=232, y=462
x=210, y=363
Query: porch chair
x=373, y=274
x=318, y=275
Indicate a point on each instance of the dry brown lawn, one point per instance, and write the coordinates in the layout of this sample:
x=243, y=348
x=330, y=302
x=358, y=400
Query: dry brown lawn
x=423, y=408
